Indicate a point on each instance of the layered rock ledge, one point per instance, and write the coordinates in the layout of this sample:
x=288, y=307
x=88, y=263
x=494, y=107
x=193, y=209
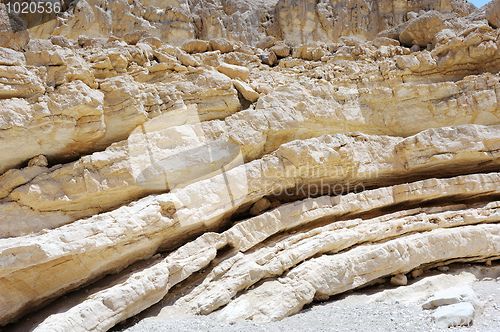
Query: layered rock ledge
x=241, y=159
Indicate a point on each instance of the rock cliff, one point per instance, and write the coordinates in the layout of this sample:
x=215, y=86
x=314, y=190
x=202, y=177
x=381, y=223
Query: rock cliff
x=252, y=156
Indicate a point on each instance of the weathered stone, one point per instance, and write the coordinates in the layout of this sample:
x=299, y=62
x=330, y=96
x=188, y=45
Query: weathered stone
x=492, y=11
x=383, y=41
x=10, y=57
x=260, y=206
x=453, y=295
x=423, y=29
x=266, y=42
x=195, y=46
x=133, y=37
x=234, y=71
x=460, y=314
x=281, y=49
x=246, y=91
x=222, y=45
x=399, y=280
x=39, y=160
x=13, y=33
x=269, y=58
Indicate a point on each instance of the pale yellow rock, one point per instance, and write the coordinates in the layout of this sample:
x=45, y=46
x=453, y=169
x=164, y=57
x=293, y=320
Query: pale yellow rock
x=222, y=45
x=242, y=271
x=417, y=273
x=354, y=160
x=14, y=178
x=313, y=52
x=195, y=46
x=281, y=50
x=234, y=71
x=260, y=206
x=13, y=33
x=492, y=11
x=399, y=280
x=423, y=29
x=275, y=299
x=40, y=161
x=247, y=92
x=11, y=57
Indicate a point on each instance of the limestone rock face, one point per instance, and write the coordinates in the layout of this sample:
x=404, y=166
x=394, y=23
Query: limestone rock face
x=12, y=30
x=491, y=12
x=243, y=159
x=295, y=22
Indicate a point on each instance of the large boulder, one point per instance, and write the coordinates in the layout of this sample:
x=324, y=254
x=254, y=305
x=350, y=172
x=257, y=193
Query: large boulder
x=492, y=11
x=13, y=33
x=422, y=30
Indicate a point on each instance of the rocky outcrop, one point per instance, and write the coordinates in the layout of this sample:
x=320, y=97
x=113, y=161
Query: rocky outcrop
x=242, y=159
x=243, y=270
x=89, y=103
x=295, y=22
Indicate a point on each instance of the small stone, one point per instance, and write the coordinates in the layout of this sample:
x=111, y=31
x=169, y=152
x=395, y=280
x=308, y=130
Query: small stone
x=195, y=46
x=417, y=273
x=246, y=91
x=384, y=41
x=266, y=42
x=269, y=58
x=152, y=41
x=460, y=314
x=452, y=295
x=399, y=280
x=415, y=48
x=39, y=160
x=260, y=206
x=234, y=71
x=488, y=262
x=411, y=15
x=222, y=45
x=132, y=38
x=443, y=268
x=281, y=49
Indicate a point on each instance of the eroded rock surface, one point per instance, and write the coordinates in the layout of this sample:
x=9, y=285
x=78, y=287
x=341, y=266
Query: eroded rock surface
x=254, y=156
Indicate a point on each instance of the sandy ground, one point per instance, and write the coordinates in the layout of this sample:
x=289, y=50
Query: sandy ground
x=377, y=308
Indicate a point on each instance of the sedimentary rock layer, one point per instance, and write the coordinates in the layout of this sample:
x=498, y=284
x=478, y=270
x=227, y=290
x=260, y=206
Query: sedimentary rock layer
x=274, y=152
x=244, y=269
x=108, y=179
x=75, y=254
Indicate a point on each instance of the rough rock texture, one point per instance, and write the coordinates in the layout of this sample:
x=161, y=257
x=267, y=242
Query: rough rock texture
x=255, y=156
x=294, y=22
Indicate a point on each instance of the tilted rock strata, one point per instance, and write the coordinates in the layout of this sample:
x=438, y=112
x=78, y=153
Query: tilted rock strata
x=277, y=256
x=97, y=98
x=243, y=270
x=327, y=275
x=108, y=88
x=106, y=179
x=79, y=252
x=407, y=122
